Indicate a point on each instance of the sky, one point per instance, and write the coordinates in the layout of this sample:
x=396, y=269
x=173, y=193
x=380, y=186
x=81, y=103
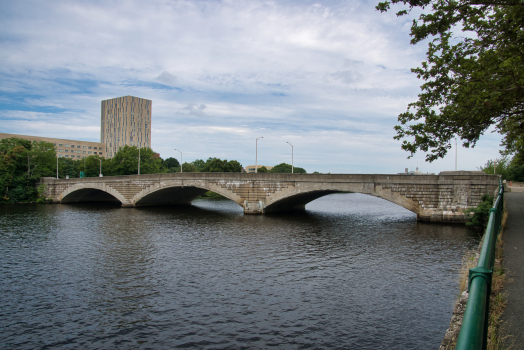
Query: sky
x=329, y=77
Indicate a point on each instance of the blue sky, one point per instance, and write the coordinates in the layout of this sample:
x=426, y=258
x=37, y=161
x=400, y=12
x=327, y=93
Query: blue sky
x=330, y=77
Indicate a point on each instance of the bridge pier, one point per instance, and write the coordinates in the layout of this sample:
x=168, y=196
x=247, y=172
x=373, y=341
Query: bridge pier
x=253, y=207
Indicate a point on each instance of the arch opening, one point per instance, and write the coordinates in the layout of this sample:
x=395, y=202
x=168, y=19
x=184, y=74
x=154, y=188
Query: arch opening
x=297, y=202
x=89, y=195
x=173, y=196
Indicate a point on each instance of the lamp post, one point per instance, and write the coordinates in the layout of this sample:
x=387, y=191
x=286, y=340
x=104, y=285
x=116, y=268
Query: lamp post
x=57, y=167
x=139, y=161
x=256, y=153
x=180, y=159
x=100, y=160
x=455, y=154
x=291, y=156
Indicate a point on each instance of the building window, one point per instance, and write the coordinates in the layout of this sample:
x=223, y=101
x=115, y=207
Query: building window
x=89, y=147
x=90, y=152
x=83, y=156
x=67, y=150
x=78, y=152
x=66, y=145
x=67, y=155
x=73, y=146
x=85, y=152
x=85, y=147
x=54, y=144
x=94, y=147
x=60, y=145
x=60, y=150
x=77, y=146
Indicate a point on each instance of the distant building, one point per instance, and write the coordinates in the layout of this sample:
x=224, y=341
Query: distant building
x=251, y=168
x=125, y=121
x=416, y=172
x=73, y=149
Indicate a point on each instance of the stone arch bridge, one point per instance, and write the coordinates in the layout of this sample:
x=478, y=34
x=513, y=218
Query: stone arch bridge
x=439, y=198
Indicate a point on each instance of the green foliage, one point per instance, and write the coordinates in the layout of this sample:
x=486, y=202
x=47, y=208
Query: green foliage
x=508, y=169
x=515, y=173
x=189, y=168
x=125, y=162
x=211, y=194
x=222, y=166
x=480, y=215
x=171, y=163
x=286, y=168
x=262, y=169
x=22, y=163
x=471, y=82
x=199, y=164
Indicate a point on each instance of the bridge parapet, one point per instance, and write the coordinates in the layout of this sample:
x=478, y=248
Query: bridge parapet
x=440, y=198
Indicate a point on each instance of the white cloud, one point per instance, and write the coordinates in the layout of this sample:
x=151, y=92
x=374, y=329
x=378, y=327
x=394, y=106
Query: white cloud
x=330, y=76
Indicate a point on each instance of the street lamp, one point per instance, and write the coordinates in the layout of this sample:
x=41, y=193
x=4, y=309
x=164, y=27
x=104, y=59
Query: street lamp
x=57, y=167
x=455, y=154
x=100, y=175
x=139, y=161
x=291, y=156
x=180, y=159
x=256, y=153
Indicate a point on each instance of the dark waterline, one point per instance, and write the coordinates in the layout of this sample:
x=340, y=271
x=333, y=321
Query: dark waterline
x=352, y=272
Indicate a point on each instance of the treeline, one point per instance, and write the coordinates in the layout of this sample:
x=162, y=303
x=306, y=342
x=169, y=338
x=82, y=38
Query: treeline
x=510, y=169
x=23, y=163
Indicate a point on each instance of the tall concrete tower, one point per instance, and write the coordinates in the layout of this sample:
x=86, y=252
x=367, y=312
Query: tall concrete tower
x=125, y=121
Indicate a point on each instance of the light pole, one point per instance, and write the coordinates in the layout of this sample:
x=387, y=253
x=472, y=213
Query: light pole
x=57, y=167
x=100, y=160
x=291, y=156
x=455, y=154
x=180, y=159
x=256, y=153
x=139, y=161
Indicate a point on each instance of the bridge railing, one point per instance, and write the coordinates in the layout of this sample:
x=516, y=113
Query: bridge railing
x=474, y=330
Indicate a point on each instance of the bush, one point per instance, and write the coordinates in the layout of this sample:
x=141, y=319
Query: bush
x=480, y=215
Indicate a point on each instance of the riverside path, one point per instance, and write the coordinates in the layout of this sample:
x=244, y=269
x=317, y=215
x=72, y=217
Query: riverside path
x=513, y=319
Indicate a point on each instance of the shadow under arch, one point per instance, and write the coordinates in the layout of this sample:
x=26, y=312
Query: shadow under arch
x=82, y=195
x=174, y=195
x=299, y=201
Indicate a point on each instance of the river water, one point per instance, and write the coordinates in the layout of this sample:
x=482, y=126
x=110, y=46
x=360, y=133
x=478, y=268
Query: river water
x=352, y=272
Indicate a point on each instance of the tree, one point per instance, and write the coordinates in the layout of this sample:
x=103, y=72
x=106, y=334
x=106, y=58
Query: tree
x=222, y=166
x=262, y=169
x=92, y=166
x=41, y=160
x=22, y=163
x=188, y=168
x=171, y=163
x=470, y=82
x=286, y=168
x=125, y=162
x=199, y=163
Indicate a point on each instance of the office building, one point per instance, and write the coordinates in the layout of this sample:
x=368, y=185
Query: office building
x=73, y=149
x=125, y=121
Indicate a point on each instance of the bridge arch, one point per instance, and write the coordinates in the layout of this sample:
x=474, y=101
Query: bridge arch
x=298, y=201
x=174, y=193
x=94, y=192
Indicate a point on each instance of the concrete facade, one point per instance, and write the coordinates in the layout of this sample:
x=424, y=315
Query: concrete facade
x=125, y=121
x=437, y=198
x=73, y=149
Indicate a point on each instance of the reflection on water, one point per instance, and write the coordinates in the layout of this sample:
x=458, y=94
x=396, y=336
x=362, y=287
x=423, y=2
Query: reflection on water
x=352, y=272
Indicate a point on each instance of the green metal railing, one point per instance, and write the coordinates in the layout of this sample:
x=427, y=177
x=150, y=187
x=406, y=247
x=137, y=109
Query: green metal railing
x=474, y=330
